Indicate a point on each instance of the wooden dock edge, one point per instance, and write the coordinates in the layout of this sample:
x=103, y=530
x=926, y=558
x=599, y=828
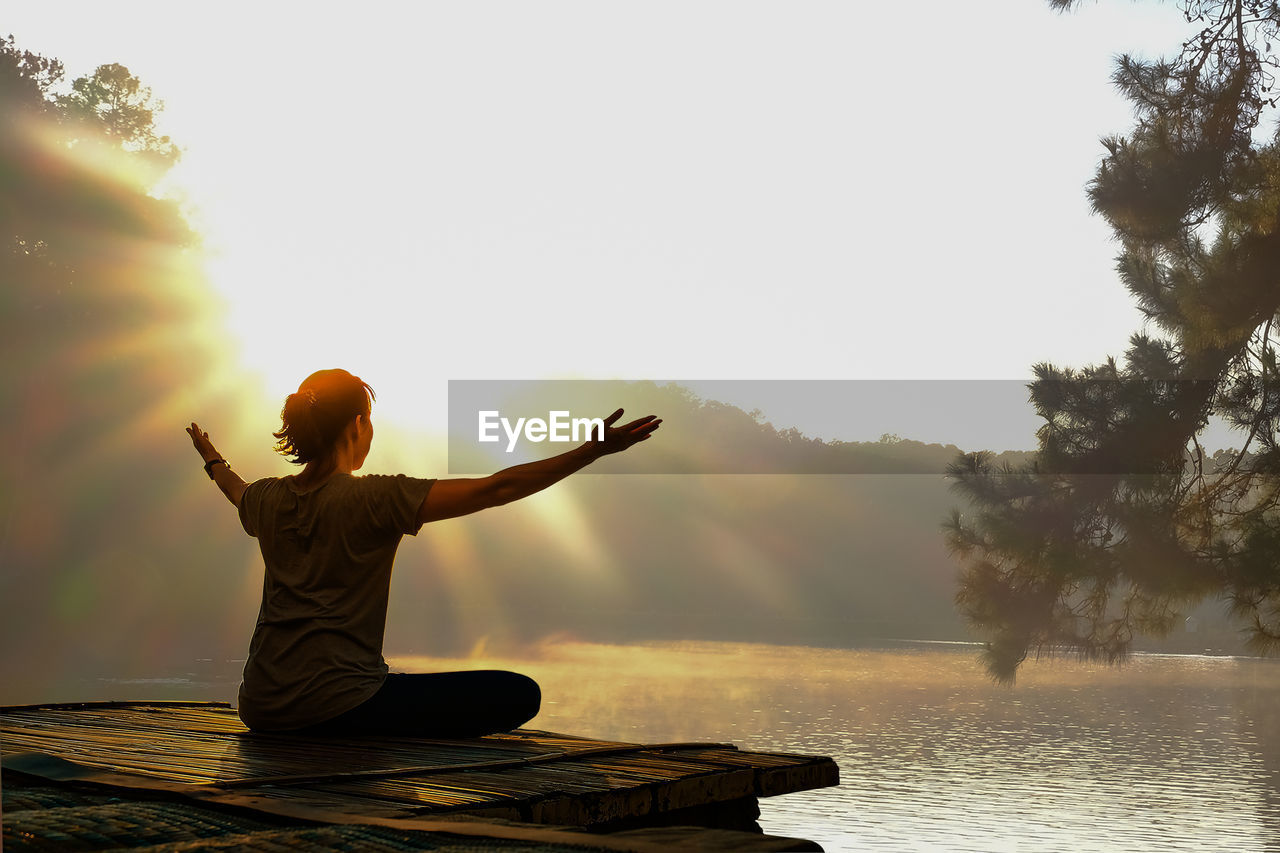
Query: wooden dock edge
x=660, y=839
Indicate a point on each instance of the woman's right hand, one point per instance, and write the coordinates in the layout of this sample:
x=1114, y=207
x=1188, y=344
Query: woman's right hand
x=200, y=440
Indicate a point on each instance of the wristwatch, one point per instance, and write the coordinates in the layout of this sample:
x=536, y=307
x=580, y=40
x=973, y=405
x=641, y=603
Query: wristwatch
x=208, y=466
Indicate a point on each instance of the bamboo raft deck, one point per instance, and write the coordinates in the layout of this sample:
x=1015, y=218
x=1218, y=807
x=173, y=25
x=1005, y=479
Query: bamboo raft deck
x=200, y=753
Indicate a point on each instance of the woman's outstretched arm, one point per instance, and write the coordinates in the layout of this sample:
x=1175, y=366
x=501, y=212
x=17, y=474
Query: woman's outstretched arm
x=452, y=498
x=229, y=481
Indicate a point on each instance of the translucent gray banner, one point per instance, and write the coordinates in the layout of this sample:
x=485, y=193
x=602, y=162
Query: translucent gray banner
x=758, y=426
x=741, y=426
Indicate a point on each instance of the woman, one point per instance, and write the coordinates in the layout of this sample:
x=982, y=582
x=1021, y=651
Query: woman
x=328, y=540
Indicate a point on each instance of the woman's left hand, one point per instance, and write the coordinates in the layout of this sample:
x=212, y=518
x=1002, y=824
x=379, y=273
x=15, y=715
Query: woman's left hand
x=622, y=437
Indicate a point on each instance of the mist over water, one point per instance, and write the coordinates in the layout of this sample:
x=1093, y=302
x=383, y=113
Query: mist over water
x=141, y=582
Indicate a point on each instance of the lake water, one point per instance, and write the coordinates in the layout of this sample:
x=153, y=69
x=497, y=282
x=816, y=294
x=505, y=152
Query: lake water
x=1167, y=753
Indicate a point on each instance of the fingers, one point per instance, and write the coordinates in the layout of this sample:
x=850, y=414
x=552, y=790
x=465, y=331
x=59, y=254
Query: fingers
x=199, y=438
x=637, y=430
x=642, y=426
x=612, y=419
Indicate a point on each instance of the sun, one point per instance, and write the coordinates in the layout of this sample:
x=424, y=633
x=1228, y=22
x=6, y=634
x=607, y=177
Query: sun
x=286, y=320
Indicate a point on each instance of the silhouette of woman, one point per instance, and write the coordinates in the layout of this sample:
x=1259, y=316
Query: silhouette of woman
x=328, y=539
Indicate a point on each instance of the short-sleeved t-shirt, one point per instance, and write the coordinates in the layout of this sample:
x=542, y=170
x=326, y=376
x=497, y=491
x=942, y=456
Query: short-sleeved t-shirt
x=316, y=651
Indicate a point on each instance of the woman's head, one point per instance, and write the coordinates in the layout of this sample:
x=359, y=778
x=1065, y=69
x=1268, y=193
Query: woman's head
x=314, y=419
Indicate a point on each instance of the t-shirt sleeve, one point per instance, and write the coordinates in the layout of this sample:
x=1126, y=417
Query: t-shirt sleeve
x=394, y=501
x=251, y=506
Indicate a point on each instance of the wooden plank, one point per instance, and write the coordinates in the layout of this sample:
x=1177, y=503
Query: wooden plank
x=781, y=773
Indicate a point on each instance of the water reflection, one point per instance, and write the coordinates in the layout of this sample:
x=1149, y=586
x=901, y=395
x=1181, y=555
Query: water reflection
x=1167, y=753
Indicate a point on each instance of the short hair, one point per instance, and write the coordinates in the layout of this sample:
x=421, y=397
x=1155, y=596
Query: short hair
x=314, y=417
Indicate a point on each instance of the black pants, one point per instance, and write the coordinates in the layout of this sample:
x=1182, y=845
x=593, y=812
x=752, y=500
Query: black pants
x=440, y=704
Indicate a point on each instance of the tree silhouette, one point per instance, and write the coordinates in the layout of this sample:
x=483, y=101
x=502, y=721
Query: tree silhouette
x=1123, y=520
x=78, y=167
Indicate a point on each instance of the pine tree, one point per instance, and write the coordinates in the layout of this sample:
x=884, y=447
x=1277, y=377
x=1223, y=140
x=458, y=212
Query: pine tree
x=1123, y=520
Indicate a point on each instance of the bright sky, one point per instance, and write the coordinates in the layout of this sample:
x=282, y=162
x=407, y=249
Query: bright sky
x=658, y=190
